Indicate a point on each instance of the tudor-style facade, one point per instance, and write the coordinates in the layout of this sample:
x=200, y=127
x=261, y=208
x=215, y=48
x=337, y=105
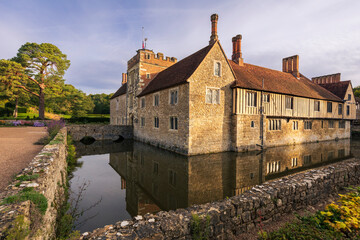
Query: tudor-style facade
x=209, y=103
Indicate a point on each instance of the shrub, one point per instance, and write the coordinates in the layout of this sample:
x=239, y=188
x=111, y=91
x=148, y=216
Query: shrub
x=39, y=124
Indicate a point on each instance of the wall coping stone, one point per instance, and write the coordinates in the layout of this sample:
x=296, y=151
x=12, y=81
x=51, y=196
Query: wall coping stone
x=239, y=214
x=49, y=163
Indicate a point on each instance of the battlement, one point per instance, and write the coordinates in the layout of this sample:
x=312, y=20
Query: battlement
x=148, y=56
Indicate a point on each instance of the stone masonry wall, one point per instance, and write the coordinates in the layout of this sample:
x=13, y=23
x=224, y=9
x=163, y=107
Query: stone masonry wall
x=210, y=124
x=50, y=165
x=163, y=136
x=241, y=213
x=118, y=110
x=100, y=132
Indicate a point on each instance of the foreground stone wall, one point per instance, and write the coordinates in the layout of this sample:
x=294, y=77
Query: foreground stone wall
x=241, y=213
x=50, y=167
x=100, y=132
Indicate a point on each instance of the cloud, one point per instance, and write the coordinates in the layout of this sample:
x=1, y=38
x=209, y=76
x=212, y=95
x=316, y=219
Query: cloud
x=100, y=37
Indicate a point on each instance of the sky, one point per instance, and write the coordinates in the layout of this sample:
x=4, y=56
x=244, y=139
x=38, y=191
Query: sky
x=99, y=37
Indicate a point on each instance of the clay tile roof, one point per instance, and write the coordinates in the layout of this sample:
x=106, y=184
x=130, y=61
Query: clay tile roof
x=337, y=88
x=120, y=91
x=176, y=74
x=251, y=77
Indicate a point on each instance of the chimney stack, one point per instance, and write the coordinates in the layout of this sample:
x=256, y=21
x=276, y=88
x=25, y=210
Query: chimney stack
x=214, y=37
x=237, y=55
x=291, y=65
x=332, y=78
x=124, y=78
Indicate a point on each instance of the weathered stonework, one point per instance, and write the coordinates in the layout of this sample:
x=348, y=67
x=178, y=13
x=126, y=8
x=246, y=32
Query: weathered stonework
x=241, y=213
x=50, y=164
x=163, y=136
x=118, y=110
x=100, y=131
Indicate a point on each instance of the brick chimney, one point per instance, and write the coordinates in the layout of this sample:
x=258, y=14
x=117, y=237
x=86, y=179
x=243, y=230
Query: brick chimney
x=237, y=55
x=332, y=78
x=291, y=65
x=124, y=78
x=214, y=37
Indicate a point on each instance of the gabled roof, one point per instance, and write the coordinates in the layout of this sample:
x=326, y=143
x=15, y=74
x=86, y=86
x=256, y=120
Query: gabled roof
x=251, y=77
x=120, y=91
x=178, y=73
x=337, y=88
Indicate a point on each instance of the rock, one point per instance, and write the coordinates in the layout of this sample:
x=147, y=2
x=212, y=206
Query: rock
x=32, y=185
x=85, y=234
x=151, y=220
x=138, y=217
x=124, y=223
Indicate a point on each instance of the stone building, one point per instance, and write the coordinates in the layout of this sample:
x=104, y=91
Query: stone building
x=209, y=103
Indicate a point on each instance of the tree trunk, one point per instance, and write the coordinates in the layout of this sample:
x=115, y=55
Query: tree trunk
x=42, y=104
x=15, y=114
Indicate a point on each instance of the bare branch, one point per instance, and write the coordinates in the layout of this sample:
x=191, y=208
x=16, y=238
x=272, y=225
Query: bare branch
x=29, y=91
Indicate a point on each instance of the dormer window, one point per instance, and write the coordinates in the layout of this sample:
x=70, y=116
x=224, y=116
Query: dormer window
x=217, y=69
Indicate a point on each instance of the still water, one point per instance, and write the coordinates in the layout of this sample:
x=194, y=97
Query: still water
x=120, y=180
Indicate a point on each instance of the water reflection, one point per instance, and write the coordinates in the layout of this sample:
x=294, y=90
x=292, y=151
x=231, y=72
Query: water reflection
x=160, y=180
x=152, y=179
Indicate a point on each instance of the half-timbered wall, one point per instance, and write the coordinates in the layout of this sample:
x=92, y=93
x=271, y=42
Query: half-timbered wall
x=276, y=106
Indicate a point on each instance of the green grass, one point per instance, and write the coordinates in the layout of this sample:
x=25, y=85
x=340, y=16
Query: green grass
x=26, y=194
x=28, y=177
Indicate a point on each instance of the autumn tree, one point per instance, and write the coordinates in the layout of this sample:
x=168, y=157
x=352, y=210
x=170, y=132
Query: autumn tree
x=42, y=69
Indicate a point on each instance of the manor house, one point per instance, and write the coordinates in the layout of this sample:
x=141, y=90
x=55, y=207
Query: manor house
x=209, y=103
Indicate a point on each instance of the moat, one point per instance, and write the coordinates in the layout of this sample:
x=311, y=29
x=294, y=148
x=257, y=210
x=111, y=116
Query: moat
x=130, y=178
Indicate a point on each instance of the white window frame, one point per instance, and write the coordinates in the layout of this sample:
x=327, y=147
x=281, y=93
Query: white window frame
x=289, y=100
x=295, y=125
x=251, y=101
x=217, y=63
x=212, y=89
x=318, y=109
x=154, y=101
x=177, y=95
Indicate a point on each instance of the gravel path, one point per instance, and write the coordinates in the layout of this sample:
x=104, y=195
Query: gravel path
x=17, y=149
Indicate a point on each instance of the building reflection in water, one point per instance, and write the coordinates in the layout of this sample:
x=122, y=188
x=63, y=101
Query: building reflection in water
x=157, y=180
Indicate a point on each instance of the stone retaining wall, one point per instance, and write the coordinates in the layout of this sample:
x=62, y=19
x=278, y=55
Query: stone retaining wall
x=50, y=167
x=238, y=214
x=100, y=131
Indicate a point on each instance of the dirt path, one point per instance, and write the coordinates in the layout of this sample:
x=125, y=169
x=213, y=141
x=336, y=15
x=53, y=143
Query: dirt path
x=17, y=149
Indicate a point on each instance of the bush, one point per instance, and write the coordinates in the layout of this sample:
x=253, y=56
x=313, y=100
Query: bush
x=84, y=120
x=338, y=221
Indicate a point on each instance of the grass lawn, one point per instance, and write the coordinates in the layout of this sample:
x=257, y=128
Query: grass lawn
x=31, y=115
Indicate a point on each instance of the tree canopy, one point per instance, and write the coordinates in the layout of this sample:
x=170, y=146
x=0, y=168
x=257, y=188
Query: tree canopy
x=37, y=69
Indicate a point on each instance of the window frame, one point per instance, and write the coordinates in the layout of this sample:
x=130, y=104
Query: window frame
x=295, y=125
x=142, y=122
x=308, y=125
x=217, y=63
x=154, y=99
x=347, y=110
x=331, y=124
x=173, y=123
x=291, y=107
x=329, y=107
x=176, y=90
x=212, y=90
x=252, y=96
x=148, y=75
x=317, y=106
x=142, y=102
x=340, y=109
x=156, y=122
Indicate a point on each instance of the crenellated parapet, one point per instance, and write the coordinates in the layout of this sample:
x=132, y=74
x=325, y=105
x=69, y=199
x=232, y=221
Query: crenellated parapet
x=148, y=56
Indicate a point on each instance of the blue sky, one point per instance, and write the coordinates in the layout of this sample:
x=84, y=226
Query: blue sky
x=100, y=36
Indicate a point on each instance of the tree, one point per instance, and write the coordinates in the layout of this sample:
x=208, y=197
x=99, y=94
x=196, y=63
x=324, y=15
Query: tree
x=43, y=68
x=11, y=75
x=102, y=103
